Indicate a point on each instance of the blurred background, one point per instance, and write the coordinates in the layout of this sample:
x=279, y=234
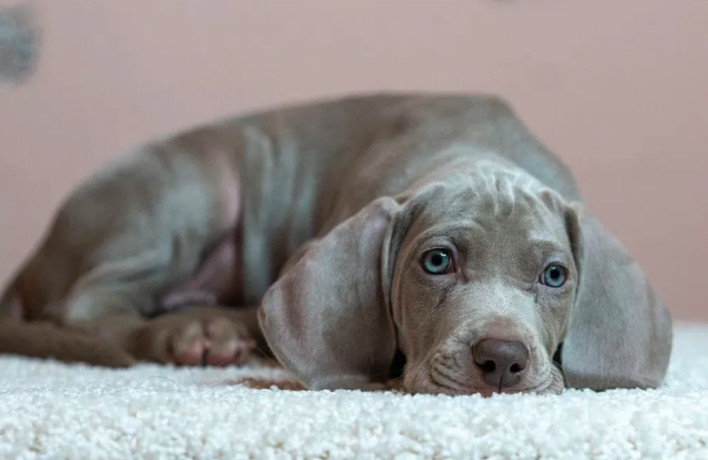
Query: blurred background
x=619, y=90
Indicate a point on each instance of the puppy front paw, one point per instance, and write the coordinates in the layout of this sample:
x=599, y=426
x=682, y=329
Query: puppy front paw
x=194, y=339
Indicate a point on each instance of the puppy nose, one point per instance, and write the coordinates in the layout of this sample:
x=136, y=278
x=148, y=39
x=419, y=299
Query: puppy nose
x=502, y=362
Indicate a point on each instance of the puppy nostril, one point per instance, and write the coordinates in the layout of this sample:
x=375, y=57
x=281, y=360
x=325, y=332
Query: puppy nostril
x=488, y=366
x=515, y=368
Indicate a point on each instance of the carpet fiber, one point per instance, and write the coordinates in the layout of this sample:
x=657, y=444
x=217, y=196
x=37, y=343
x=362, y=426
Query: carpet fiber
x=51, y=410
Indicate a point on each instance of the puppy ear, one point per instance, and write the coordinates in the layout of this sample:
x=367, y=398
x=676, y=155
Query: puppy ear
x=620, y=332
x=326, y=319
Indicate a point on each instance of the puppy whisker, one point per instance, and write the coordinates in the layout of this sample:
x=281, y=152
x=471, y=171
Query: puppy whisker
x=439, y=378
x=547, y=382
x=438, y=384
x=449, y=377
x=264, y=355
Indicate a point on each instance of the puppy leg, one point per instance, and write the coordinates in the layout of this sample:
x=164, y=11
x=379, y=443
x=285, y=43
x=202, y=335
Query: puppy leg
x=111, y=300
x=120, y=240
x=94, y=324
x=214, y=336
x=46, y=340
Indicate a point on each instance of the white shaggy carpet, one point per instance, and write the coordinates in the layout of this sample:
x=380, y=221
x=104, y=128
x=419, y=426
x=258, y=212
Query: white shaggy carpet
x=51, y=410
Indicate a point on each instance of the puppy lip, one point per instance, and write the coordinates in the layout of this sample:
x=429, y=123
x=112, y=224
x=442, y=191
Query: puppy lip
x=475, y=386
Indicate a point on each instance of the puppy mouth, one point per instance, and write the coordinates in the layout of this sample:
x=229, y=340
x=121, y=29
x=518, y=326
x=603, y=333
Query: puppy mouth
x=442, y=377
x=548, y=385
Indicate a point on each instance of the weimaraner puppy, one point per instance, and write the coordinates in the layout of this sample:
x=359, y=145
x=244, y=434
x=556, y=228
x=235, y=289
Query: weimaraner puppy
x=356, y=238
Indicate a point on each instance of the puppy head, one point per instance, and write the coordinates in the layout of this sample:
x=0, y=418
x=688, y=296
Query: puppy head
x=484, y=280
x=477, y=280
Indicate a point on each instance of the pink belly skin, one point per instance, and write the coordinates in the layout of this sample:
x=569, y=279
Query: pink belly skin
x=216, y=282
x=218, y=279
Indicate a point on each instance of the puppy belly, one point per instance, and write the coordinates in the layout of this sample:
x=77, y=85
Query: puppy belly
x=217, y=281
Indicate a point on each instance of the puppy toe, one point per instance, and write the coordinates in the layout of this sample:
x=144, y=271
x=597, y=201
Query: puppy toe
x=229, y=345
x=218, y=329
x=189, y=356
x=231, y=352
x=188, y=347
x=243, y=351
x=222, y=356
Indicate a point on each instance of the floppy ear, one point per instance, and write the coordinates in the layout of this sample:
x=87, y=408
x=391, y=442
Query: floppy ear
x=326, y=319
x=620, y=333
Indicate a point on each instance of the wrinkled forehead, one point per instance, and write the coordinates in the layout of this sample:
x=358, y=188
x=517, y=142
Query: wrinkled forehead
x=508, y=205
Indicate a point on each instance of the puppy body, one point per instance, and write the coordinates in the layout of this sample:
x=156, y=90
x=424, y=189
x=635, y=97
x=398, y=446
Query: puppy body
x=265, y=183
x=216, y=215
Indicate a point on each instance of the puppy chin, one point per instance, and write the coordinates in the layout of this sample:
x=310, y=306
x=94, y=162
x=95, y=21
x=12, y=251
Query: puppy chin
x=556, y=383
x=556, y=388
x=552, y=384
x=419, y=382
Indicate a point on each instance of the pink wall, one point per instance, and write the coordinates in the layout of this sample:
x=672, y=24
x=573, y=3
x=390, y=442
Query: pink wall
x=618, y=89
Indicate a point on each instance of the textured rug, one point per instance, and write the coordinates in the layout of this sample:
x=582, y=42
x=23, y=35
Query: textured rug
x=52, y=410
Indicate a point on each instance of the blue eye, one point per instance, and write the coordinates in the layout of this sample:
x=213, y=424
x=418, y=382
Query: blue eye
x=437, y=261
x=554, y=275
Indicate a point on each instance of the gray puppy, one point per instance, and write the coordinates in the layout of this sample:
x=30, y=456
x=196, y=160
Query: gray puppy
x=344, y=234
